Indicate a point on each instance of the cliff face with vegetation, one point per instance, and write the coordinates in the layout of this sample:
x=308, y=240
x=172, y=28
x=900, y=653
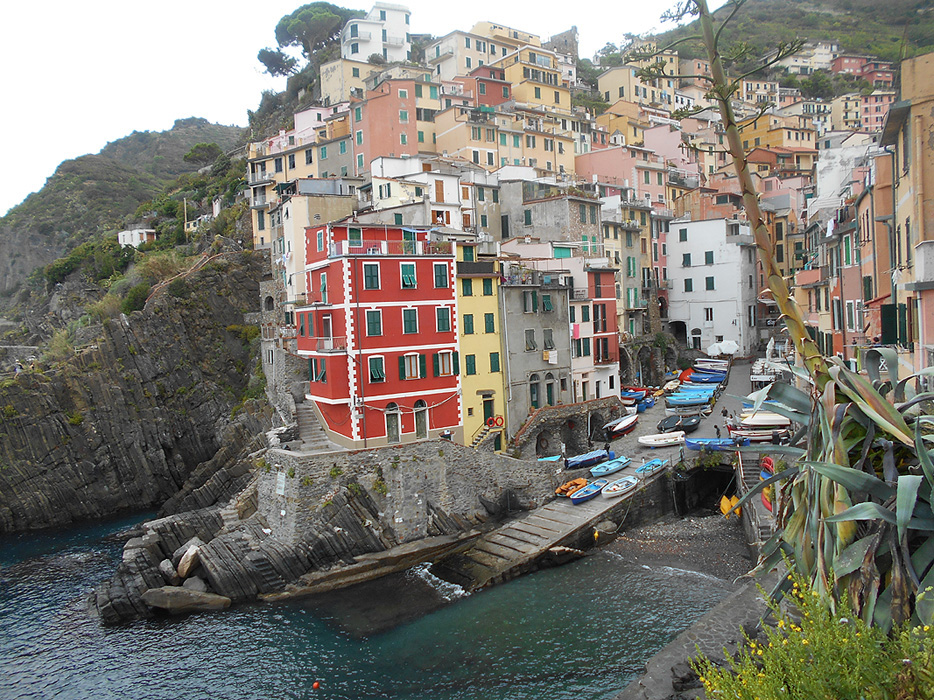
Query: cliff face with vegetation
x=94, y=193
x=125, y=422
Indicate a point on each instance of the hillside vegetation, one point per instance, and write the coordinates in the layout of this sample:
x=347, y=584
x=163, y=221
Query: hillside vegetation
x=897, y=29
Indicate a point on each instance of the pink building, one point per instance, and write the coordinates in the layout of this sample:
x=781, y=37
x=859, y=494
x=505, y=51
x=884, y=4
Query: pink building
x=874, y=108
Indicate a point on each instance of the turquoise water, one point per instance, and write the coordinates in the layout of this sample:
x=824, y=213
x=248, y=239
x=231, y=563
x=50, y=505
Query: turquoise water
x=576, y=632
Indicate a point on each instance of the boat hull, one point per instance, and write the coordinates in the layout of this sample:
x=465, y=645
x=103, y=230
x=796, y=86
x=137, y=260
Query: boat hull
x=662, y=439
x=611, y=467
x=591, y=490
x=620, y=487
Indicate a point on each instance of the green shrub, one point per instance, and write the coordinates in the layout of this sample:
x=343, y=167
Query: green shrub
x=9, y=411
x=246, y=333
x=60, y=346
x=136, y=298
x=335, y=471
x=75, y=418
x=816, y=653
x=105, y=308
x=179, y=288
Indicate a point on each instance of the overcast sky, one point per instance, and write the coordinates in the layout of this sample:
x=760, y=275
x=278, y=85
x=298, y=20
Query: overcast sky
x=80, y=74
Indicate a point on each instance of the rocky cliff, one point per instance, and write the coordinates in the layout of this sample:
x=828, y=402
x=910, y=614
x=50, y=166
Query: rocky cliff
x=128, y=421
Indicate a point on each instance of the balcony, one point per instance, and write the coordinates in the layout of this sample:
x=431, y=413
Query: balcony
x=336, y=344
x=630, y=225
x=260, y=178
x=287, y=332
x=258, y=202
x=394, y=40
x=608, y=360
x=340, y=249
x=360, y=36
x=441, y=56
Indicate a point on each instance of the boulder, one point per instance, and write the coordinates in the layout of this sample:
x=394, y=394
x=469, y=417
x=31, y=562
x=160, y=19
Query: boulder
x=195, y=583
x=178, y=600
x=190, y=561
x=168, y=572
x=180, y=552
x=683, y=677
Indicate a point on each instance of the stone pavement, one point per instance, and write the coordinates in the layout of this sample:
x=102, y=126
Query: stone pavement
x=721, y=628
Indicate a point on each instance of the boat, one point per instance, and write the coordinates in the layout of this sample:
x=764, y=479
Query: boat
x=620, y=487
x=611, y=467
x=680, y=401
x=570, y=487
x=704, y=410
x=715, y=444
x=763, y=419
x=588, y=459
x=646, y=403
x=671, y=386
x=633, y=395
x=650, y=467
x=662, y=439
x=701, y=378
x=622, y=426
x=722, y=365
x=591, y=490
x=775, y=435
x=553, y=458
x=685, y=423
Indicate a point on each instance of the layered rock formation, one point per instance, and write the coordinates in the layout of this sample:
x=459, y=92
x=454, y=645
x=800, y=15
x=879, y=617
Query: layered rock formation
x=128, y=423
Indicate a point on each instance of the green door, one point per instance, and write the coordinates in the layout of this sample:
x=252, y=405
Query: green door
x=487, y=409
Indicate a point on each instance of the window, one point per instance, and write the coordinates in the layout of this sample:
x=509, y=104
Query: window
x=374, y=323
x=572, y=311
x=410, y=321
x=505, y=91
x=397, y=219
x=317, y=371
x=528, y=217
x=370, y=275
x=403, y=139
x=708, y=257
x=359, y=161
x=377, y=370
x=482, y=88
x=470, y=364
x=355, y=72
x=403, y=94
x=530, y=343
x=411, y=366
x=403, y=116
x=689, y=285
x=467, y=287
x=469, y=62
x=583, y=213
x=708, y=314
x=441, y=275
x=323, y=153
x=548, y=340
x=593, y=214
x=489, y=323
x=468, y=324
x=546, y=303
x=483, y=221
x=408, y=275
x=585, y=313
x=538, y=93
x=443, y=319
x=278, y=165
x=444, y=363
x=682, y=232
x=308, y=152
x=358, y=114
x=494, y=362
x=261, y=221
x=359, y=136
x=529, y=302
x=534, y=398
x=487, y=287
x=710, y=283
x=685, y=259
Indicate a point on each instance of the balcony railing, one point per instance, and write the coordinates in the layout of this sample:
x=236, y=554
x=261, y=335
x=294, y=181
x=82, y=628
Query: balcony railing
x=258, y=201
x=330, y=344
x=287, y=332
x=394, y=40
x=608, y=360
x=353, y=248
x=482, y=267
x=260, y=177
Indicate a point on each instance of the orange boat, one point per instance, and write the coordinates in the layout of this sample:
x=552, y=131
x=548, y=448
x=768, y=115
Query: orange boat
x=570, y=487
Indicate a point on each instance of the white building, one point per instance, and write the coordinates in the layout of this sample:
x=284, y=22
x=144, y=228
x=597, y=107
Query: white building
x=712, y=272
x=384, y=32
x=136, y=237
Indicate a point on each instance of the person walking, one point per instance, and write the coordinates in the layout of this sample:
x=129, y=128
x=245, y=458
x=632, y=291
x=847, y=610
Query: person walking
x=717, y=430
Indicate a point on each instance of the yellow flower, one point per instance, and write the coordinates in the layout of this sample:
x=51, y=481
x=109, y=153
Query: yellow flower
x=804, y=641
x=927, y=628
x=781, y=623
x=759, y=652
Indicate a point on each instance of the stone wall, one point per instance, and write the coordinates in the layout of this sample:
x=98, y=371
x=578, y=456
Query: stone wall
x=411, y=486
x=565, y=428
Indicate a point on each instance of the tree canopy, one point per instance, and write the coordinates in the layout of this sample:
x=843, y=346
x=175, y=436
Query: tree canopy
x=203, y=153
x=311, y=27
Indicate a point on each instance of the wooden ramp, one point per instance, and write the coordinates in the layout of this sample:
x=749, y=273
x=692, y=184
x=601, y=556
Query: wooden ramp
x=547, y=535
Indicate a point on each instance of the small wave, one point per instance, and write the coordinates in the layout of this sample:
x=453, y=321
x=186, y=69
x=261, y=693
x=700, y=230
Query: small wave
x=448, y=591
x=688, y=572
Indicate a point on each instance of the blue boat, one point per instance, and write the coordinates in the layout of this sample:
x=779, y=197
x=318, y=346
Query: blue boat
x=553, y=458
x=651, y=467
x=707, y=378
x=715, y=444
x=633, y=395
x=705, y=370
x=588, y=459
x=611, y=467
x=695, y=388
x=591, y=490
x=673, y=401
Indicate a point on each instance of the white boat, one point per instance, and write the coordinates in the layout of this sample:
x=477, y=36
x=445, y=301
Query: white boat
x=689, y=411
x=763, y=419
x=620, y=487
x=662, y=439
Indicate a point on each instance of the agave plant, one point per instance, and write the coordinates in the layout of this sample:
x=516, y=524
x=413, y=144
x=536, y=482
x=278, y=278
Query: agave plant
x=854, y=512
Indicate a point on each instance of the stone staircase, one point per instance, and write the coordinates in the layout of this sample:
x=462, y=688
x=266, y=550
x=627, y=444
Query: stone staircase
x=230, y=516
x=312, y=435
x=748, y=475
x=481, y=436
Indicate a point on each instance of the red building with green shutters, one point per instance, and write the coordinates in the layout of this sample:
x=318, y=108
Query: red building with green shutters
x=379, y=331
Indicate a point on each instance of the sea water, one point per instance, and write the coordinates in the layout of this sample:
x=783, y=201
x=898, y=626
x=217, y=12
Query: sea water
x=580, y=631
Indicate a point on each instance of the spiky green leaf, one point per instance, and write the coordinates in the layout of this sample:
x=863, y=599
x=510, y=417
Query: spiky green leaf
x=871, y=403
x=852, y=479
x=905, y=501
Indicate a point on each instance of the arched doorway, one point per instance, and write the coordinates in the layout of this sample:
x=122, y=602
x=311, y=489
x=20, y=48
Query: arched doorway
x=269, y=304
x=550, y=389
x=543, y=445
x=662, y=307
x=392, y=423
x=679, y=330
x=596, y=432
x=644, y=365
x=421, y=420
x=625, y=367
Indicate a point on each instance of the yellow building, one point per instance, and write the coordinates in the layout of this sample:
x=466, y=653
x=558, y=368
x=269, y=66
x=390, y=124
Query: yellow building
x=624, y=117
x=536, y=78
x=483, y=364
x=794, y=133
x=343, y=79
x=505, y=36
